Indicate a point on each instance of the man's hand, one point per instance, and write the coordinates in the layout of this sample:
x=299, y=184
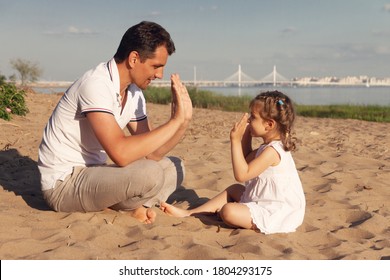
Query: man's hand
x=181, y=101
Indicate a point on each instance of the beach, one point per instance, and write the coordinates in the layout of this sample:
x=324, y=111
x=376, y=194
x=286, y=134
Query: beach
x=344, y=166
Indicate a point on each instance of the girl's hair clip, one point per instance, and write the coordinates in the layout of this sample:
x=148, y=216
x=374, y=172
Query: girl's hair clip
x=280, y=102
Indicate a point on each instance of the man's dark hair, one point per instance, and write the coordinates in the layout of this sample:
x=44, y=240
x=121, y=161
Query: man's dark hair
x=144, y=38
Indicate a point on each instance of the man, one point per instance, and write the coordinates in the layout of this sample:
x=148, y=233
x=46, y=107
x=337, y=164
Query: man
x=87, y=125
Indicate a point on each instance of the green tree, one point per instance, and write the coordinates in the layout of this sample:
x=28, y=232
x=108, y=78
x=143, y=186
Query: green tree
x=28, y=71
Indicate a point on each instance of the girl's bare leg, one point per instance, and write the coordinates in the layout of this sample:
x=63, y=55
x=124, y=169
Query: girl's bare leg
x=237, y=215
x=214, y=205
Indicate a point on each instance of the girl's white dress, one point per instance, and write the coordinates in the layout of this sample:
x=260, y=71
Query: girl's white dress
x=275, y=198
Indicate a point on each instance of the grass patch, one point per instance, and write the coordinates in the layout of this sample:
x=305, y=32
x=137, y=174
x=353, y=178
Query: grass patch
x=200, y=99
x=367, y=113
x=211, y=100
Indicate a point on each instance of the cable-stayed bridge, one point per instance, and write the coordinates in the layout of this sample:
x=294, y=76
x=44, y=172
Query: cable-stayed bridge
x=239, y=79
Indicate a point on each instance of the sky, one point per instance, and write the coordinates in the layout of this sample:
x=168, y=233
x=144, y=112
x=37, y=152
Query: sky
x=314, y=38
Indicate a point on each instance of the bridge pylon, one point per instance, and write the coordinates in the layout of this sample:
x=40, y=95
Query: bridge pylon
x=238, y=78
x=274, y=77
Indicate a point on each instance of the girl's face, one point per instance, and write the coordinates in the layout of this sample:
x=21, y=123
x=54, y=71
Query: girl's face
x=257, y=124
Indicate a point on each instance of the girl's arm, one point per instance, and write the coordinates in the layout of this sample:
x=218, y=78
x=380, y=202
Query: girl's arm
x=246, y=166
x=244, y=171
x=246, y=143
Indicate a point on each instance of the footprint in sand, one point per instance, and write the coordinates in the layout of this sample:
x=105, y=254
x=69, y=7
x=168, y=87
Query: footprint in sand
x=353, y=234
x=356, y=218
x=323, y=188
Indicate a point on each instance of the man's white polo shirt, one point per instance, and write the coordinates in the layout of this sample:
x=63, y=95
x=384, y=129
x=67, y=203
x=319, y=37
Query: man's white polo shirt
x=68, y=139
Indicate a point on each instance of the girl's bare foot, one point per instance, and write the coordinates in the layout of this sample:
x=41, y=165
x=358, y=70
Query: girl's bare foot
x=144, y=215
x=173, y=211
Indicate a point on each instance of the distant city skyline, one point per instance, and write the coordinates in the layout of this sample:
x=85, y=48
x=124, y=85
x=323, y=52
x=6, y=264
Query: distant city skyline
x=303, y=38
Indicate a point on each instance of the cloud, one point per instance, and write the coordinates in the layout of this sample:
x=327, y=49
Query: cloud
x=208, y=8
x=77, y=31
x=382, y=50
x=360, y=52
x=289, y=29
x=386, y=7
x=71, y=30
x=380, y=33
x=329, y=52
x=51, y=33
x=155, y=13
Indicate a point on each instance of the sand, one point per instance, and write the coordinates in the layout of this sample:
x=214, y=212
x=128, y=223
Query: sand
x=344, y=166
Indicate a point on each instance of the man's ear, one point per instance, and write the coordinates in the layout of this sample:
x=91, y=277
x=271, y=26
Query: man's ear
x=132, y=59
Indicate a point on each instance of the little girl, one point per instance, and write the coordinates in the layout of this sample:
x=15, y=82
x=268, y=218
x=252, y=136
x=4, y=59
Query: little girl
x=272, y=199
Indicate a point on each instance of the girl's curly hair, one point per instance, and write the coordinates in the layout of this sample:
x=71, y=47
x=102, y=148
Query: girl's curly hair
x=275, y=105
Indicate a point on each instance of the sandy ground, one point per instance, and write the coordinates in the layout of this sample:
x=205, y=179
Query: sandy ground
x=344, y=166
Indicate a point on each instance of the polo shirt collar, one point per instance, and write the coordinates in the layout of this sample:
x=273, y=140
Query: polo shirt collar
x=114, y=74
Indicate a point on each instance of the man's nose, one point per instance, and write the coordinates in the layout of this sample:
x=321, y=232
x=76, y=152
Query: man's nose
x=159, y=73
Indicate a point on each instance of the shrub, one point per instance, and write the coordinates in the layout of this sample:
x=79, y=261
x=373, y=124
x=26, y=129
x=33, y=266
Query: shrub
x=11, y=101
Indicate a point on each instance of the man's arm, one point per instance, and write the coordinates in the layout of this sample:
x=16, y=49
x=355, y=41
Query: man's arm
x=180, y=102
x=124, y=149
x=145, y=127
x=146, y=142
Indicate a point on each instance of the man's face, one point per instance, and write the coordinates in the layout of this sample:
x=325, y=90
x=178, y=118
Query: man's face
x=152, y=68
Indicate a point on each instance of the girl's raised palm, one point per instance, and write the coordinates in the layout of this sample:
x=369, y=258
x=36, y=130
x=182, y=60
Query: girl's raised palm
x=239, y=128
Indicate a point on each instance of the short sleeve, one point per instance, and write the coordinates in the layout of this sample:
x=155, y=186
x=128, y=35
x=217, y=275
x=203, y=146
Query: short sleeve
x=97, y=96
x=139, y=104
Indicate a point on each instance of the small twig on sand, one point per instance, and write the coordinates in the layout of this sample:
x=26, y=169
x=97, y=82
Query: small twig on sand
x=12, y=124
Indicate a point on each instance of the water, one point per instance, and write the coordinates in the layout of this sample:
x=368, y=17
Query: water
x=49, y=90
x=318, y=95
x=302, y=95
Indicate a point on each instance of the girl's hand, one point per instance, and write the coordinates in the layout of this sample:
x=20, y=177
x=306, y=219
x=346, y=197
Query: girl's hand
x=239, y=128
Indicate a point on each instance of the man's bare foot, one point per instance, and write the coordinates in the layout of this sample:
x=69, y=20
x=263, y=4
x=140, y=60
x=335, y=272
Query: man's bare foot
x=144, y=215
x=173, y=211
